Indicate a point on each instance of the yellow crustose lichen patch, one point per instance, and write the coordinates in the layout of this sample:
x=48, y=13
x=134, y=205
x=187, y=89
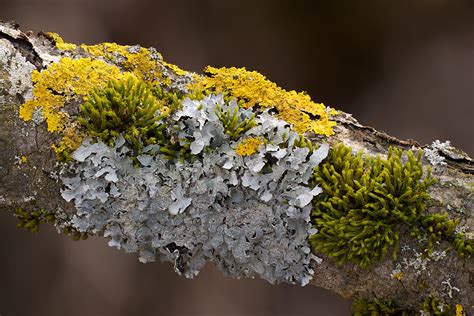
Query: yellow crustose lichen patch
x=62, y=81
x=136, y=59
x=69, y=79
x=140, y=62
x=248, y=146
x=176, y=69
x=60, y=42
x=253, y=89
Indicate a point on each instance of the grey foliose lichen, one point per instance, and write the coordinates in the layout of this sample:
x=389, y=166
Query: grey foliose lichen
x=432, y=153
x=248, y=215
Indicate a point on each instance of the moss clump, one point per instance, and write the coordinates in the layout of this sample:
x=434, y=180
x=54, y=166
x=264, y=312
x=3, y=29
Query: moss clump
x=463, y=246
x=365, y=200
x=131, y=108
x=31, y=220
x=377, y=307
x=176, y=149
x=436, y=227
x=234, y=126
x=124, y=107
x=434, y=306
x=303, y=142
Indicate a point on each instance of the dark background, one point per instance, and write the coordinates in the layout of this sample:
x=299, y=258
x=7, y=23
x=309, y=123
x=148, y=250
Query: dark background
x=405, y=67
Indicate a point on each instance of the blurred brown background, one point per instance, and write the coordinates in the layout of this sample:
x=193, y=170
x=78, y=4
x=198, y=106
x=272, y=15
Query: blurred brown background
x=405, y=67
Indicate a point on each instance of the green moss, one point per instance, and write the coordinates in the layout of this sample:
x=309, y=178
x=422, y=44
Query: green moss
x=31, y=220
x=303, y=142
x=365, y=202
x=435, y=306
x=436, y=227
x=377, y=307
x=171, y=99
x=233, y=125
x=176, y=149
x=463, y=246
x=125, y=107
x=131, y=108
x=432, y=305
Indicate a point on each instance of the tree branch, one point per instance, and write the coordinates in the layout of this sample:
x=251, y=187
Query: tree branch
x=205, y=198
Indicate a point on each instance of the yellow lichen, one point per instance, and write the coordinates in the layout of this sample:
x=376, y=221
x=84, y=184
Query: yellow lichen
x=23, y=159
x=398, y=276
x=60, y=42
x=248, y=146
x=141, y=61
x=62, y=81
x=459, y=310
x=138, y=60
x=66, y=82
x=252, y=89
x=72, y=138
x=69, y=81
x=175, y=69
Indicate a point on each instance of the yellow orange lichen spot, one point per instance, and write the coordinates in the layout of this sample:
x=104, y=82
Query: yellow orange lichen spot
x=63, y=81
x=248, y=146
x=253, y=89
x=398, y=276
x=23, y=159
x=60, y=42
x=459, y=310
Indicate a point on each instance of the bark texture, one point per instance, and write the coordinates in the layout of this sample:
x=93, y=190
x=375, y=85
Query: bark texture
x=29, y=180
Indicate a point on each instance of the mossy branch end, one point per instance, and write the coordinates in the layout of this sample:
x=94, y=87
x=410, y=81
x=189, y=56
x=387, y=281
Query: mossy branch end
x=228, y=167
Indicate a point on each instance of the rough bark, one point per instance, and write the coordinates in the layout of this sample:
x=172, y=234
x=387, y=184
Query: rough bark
x=33, y=183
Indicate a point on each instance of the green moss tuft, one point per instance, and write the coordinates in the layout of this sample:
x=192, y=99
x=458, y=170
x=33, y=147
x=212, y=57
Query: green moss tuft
x=365, y=200
x=233, y=125
x=378, y=307
x=463, y=246
x=126, y=107
x=31, y=220
x=437, y=227
x=303, y=142
x=434, y=306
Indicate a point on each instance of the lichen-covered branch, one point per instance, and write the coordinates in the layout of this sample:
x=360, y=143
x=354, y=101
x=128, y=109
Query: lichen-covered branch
x=227, y=167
